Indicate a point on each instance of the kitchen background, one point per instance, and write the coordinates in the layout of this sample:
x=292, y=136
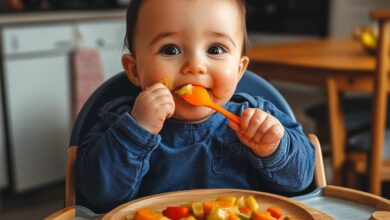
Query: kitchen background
x=39, y=40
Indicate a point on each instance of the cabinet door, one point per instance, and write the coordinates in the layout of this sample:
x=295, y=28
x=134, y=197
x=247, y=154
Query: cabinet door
x=107, y=37
x=38, y=111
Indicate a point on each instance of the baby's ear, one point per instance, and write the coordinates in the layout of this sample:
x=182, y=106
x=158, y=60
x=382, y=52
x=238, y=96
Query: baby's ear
x=243, y=65
x=129, y=65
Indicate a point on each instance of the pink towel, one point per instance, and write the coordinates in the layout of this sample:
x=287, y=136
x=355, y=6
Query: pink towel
x=87, y=76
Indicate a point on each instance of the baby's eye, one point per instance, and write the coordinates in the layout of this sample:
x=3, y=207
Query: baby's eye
x=216, y=49
x=170, y=50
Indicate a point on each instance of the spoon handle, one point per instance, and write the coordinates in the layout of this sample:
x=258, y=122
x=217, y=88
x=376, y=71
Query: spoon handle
x=225, y=112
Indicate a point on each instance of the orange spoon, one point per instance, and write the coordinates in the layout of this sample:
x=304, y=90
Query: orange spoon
x=200, y=96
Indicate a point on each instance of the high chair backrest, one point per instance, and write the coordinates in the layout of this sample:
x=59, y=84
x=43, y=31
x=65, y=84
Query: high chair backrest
x=119, y=85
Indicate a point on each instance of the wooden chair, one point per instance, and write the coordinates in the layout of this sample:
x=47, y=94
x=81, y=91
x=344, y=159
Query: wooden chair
x=88, y=114
x=373, y=163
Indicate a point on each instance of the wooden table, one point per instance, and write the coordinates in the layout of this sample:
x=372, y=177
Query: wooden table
x=339, y=65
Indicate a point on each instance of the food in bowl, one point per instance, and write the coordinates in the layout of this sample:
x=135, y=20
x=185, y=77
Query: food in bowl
x=223, y=208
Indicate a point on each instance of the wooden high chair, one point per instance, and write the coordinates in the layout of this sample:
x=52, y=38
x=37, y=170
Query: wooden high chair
x=372, y=163
x=119, y=85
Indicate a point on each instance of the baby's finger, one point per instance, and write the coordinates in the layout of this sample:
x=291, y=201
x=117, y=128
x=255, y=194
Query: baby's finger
x=263, y=128
x=157, y=87
x=246, y=116
x=163, y=98
x=162, y=90
x=233, y=125
x=246, y=141
x=256, y=121
x=273, y=134
x=154, y=86
x=170, y=109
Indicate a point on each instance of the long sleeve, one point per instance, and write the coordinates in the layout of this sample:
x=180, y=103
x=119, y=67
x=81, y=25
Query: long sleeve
x=112, y=161
x=291, y=167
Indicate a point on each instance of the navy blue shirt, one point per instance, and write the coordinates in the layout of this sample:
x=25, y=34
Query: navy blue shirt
x=119, y=160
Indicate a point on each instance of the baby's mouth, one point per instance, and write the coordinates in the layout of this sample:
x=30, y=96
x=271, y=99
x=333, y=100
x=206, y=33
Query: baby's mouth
x=182, y=90
x=187, y=89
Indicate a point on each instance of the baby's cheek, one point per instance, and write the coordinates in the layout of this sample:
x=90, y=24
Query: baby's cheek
x=225, y=89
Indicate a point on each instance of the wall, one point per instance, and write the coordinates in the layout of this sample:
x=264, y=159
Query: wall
x=345, y=14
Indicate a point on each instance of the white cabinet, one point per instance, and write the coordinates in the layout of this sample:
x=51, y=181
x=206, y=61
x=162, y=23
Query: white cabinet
x=107, y=37
x=37, y=93
x=37, y=72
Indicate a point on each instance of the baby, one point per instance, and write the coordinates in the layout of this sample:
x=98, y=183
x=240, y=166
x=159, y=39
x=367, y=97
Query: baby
x=156, y=142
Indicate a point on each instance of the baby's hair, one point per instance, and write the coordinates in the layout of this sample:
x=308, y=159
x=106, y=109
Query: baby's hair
x=132, y=16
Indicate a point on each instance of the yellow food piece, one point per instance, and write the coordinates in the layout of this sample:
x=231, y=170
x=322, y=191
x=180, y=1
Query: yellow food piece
x=208, y=206
x=240, y=202
x=197, y=209
x=167, y=83
x=252, y=204
x=187, y=205
x=217, y=213
x=184, y=90
x=227, y=198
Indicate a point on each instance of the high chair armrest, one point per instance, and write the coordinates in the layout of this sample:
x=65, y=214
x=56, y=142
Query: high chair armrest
x=319, y=170
x=380, y=14
x=67, y=213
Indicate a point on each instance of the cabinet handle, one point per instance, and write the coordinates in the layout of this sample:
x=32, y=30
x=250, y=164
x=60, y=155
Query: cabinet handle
x=15, y=43
x=100, y=42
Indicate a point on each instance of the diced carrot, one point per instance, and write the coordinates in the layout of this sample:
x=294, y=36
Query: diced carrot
x=207, y=206
x=147, y=214
x=263, y=216
x=233, y=217
x=246, y=211
x=275, y=212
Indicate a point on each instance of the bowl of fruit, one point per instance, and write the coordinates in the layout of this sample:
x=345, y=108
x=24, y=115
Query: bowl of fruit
x=214, y=204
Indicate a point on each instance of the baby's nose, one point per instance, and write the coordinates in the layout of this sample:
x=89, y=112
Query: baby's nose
x=194, y=65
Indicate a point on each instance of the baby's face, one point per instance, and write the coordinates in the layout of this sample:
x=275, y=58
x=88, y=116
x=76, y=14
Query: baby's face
x=190, y=41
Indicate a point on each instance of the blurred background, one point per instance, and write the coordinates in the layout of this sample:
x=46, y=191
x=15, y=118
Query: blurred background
x=47, y=45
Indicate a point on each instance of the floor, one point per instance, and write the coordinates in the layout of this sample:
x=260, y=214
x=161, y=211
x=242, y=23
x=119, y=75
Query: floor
x=37, y=204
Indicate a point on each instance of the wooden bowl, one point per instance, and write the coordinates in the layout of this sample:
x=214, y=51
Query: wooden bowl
x=159, y=202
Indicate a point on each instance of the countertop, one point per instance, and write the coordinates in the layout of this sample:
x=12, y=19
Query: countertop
x=59, y=16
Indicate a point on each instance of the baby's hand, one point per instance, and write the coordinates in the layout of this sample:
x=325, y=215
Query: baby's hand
x=259, y=131
x=152, y=107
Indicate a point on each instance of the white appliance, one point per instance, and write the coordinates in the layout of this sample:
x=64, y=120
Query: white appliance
x=37, y=100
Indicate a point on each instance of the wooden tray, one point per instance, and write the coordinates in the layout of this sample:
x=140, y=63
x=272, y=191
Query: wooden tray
x=347, y=204
x=161, y=201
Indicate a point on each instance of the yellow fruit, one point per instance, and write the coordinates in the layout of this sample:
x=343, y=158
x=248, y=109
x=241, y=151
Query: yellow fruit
x=167, y=83
x=197, y=209
x=240, y=202
x=368, y=39
x=252, y=204
x=227, y=198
